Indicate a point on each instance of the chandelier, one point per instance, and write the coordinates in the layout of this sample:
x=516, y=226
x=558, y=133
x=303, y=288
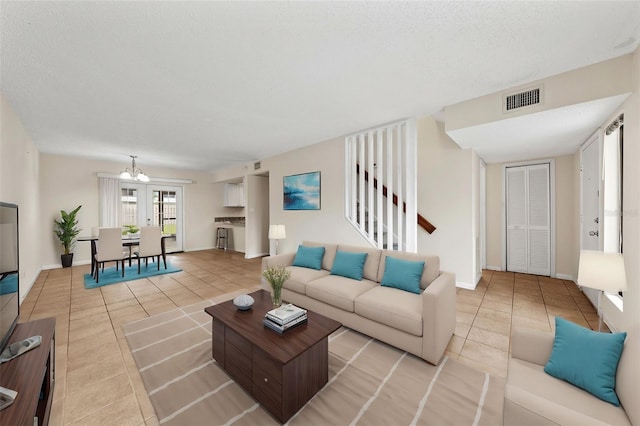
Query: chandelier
x=134, y=172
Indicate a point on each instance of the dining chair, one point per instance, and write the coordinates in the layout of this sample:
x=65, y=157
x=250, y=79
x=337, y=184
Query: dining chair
x=109, y=249
x=150, y=245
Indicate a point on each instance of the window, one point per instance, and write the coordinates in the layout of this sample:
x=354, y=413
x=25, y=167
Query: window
x=129, y=212
x=612, y=178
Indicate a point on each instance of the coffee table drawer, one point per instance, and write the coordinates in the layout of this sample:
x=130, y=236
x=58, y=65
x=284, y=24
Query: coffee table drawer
x=266, y=366
x=271, y=401
x=238, y=341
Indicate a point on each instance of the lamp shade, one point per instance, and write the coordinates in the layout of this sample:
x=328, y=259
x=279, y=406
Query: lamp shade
x=277, y=232
x=602, y=271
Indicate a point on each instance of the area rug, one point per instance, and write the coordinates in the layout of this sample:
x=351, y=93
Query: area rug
x=111, y=276
x=370, y=382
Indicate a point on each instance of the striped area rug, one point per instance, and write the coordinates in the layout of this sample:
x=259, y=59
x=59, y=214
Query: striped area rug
x=370, y=382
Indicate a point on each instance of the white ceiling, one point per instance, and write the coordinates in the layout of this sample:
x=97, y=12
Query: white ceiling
x=206, y=85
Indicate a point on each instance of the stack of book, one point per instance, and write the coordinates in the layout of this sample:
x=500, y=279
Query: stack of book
x=284, y=318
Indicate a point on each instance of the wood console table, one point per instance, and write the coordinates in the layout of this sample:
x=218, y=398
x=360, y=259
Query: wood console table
x=282, y=372
x=32, y=375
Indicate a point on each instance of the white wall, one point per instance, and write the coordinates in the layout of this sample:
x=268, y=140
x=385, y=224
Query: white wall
x=257, y=219
x=19, y=174
x=66, y=182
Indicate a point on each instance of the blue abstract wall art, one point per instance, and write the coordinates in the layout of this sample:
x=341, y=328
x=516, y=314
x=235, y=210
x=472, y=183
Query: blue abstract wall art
x=302, y=192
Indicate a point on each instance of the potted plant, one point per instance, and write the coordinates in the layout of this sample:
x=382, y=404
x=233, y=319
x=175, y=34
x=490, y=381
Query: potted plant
x=66, y=229
x=130, y=230
x=276, y=276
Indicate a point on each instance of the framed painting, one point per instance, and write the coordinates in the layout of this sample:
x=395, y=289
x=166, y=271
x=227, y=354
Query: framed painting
x=301, y=192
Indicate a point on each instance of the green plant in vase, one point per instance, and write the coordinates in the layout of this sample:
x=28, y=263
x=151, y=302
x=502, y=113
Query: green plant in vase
x=130, y=229
x=66, y=229
x=276, y=276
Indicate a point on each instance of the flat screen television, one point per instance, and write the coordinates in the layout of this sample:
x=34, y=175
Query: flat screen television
x=9, y=275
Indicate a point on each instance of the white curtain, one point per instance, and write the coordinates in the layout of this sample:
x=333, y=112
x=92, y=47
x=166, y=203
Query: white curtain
x=109, y=202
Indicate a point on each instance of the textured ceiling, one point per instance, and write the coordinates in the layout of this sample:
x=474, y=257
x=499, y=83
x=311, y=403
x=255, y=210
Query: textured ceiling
x=205, y=85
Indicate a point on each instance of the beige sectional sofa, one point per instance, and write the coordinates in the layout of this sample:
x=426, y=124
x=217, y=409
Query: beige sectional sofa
x=532, y=397
x=421, y=324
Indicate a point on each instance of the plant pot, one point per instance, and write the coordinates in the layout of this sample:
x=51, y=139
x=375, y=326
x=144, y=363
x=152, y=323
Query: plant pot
x=66, y=260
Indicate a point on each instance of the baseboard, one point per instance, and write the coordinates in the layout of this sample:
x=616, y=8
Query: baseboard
x=493, y=268
x=253, y=256
x=565, y=277
x=466, y=286
x=58, y=266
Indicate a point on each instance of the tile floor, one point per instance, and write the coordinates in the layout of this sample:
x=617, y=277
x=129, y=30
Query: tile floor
x=97, y=382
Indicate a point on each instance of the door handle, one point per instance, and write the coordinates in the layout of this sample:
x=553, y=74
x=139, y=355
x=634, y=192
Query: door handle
x=593, y=233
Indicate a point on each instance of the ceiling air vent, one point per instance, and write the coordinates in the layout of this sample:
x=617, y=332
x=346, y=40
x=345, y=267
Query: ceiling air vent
x=522, y=99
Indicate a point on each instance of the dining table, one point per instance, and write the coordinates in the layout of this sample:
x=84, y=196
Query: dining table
x=129, y=241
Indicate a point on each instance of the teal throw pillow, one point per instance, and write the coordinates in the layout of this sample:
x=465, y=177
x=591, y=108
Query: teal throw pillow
x=587, y=359
x=402, y=274
x=309, y=257
x=349, y=264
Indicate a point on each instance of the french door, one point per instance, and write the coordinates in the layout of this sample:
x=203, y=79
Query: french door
x=154, y=205
x=528, y=219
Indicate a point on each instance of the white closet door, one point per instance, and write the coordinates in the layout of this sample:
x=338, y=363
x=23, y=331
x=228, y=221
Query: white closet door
x=516, y=219
x=528, y=219
x=539, y=218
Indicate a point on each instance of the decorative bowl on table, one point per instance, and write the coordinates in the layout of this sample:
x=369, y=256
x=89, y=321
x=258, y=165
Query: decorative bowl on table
x=243, y=302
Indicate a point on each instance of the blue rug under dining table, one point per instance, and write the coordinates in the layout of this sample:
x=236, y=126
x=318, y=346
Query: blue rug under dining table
x=111, y=276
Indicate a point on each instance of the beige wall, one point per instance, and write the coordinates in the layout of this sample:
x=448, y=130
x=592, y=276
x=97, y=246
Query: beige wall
x=446, y=181
x=570, y=88
x=67, y=182
x=327, y=224
x=565, y=212
x=19, y=175
x=631, y=210
x=446, y=177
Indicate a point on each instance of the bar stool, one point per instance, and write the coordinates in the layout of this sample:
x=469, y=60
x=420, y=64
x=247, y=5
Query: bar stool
x=221, y=238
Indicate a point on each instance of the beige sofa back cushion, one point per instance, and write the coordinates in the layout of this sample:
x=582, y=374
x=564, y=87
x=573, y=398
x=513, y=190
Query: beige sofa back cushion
x=431, y=269
x=329, y=253
x=370, y=270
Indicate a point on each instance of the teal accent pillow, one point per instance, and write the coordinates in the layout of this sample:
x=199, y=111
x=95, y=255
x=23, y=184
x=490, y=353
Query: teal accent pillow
x=402, y=274
x=348, y=264
x=309, y=257
x=587, y=359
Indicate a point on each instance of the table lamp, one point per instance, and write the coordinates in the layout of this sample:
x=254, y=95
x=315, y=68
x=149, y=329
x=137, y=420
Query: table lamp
x=277, y=232
x=602, y=271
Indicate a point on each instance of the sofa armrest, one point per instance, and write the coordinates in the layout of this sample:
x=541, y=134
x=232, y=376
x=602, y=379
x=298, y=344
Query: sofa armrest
x=285, y=259
x=531, y=346
x=438, y=316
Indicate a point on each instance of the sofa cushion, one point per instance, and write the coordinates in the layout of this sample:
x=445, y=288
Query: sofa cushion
x=371, y=264
x=586, y=358
x=348, y=264
x=431, y=265
x=329, y=252
x=338, y=291
x=301, y=276
x=402, y=274
x=393, y=307
x=309, y=257
x=530, y=388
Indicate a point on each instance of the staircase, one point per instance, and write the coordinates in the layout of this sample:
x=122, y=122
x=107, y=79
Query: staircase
x=381, y=186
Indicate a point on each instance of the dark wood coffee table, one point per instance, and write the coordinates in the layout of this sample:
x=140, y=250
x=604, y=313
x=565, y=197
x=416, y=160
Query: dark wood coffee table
x=282, y=372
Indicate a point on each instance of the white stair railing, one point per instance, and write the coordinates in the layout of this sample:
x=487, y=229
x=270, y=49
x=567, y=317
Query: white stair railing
x=383, y=156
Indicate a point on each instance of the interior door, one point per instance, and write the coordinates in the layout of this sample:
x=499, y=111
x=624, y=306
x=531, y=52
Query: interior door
x=528, y=219
x=590, y=202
